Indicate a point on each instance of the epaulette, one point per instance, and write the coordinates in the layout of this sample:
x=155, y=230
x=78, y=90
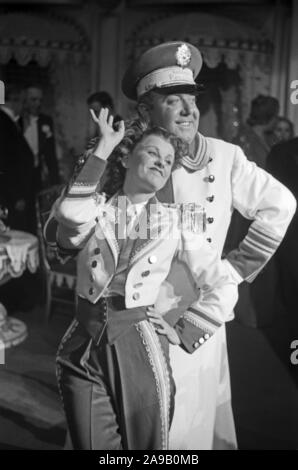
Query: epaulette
x=192, y=216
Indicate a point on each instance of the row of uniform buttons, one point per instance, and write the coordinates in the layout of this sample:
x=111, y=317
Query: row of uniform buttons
x=201, y=340
x=210, y=179
x=103, y=307
x=151, y=260
x=93, y=265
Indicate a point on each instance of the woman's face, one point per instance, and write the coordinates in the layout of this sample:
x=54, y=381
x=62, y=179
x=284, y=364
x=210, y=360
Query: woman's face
x=282, y=131
x=150, y=164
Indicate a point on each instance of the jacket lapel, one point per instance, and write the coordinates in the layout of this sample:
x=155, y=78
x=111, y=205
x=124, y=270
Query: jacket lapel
x=153, y=223
x=107, y=226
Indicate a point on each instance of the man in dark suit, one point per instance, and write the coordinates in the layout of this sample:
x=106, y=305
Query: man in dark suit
x=39, y=132
x=282, y=162
x=16, y=192
x=16, y=165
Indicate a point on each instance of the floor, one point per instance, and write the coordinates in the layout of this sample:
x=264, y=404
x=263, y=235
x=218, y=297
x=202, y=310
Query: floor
x=30, y=412
x=265, y=398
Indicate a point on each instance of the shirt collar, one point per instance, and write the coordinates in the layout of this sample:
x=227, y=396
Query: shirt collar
x=33, y=119
x=9, y=113
x=137, y=208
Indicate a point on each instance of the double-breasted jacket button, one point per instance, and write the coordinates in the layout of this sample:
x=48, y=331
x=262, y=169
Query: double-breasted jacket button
x=196, y=345
x=152, y=259
x=210, y=198
x=97, y=251
x=209, y=240
x=206, y=336
x=145, y=273
x=94, y=264
x=211, y=178
x=210, y=160
x=210, y=220
x=201, y=341
x=91, y=291
x=136, y=296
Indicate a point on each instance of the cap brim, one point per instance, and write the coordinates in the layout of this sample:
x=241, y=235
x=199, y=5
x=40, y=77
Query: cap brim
x=187, y=89
x=129, y=89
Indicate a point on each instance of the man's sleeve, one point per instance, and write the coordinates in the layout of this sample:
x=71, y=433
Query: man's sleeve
x=276, y=159
x=217, y=293
x=258, y=196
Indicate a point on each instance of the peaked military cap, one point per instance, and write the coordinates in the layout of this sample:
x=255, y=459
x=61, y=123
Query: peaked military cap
x=169, y=65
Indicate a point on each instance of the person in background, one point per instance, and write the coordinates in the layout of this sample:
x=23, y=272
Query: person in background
x=38, y=130
x=16, y=193
x=282, y=163
x=283, y=129
x=97, y=101
x=16, y=164
x=256, y=306
x=256, y=136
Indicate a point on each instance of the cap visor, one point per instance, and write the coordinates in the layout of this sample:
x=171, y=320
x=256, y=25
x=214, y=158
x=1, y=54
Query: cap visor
x=187, y=89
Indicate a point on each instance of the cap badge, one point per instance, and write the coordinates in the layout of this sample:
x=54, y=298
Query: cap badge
x=183, y=55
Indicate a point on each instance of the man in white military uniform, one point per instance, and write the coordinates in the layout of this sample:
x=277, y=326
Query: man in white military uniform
x=217, y=175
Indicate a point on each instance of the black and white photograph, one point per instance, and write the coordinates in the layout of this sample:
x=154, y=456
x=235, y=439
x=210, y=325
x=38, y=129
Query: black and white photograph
x=148, y=227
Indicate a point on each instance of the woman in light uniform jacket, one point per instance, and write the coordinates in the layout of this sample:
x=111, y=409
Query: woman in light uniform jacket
x=113, y=362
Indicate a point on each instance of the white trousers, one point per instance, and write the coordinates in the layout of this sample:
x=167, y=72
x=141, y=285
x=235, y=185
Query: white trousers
x=203, y=417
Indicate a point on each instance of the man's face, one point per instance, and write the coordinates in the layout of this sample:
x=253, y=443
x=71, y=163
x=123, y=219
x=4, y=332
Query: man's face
x=176, y=113
x=33, y=101
x=150, y=164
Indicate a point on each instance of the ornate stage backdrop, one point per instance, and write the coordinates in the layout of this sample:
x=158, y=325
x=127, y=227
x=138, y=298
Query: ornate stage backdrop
x=79, y=51
x=56, y=49
x=237, y=62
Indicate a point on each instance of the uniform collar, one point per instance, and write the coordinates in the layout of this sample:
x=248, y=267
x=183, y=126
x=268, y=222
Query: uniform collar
x=202, y=155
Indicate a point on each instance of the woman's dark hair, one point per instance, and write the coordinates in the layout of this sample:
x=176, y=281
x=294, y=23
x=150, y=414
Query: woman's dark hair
x=135, y=131
x=287, y=121
x=263, y=109
x=101, y=97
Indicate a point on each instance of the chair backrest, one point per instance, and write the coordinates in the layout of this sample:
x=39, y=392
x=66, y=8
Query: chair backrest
x=44, y=202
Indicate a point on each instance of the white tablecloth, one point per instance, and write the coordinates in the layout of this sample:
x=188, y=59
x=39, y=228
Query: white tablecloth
x=18, y=252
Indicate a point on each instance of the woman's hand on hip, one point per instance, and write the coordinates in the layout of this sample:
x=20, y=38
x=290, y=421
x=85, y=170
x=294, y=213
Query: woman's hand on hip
x=162, y=326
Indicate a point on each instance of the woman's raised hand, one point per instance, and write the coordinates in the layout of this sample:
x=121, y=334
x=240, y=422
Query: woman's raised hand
x=110, y=137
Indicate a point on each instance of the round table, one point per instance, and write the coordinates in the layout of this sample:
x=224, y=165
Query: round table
x=18, y=252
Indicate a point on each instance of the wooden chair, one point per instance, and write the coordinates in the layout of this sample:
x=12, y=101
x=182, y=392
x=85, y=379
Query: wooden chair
x=59, y=279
